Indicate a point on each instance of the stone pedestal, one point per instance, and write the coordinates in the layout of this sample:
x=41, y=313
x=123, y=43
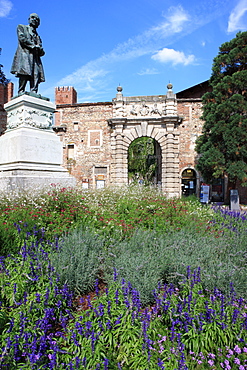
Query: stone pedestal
x=30, y=151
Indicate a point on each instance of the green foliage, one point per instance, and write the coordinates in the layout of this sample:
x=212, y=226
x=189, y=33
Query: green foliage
x=112, y=212
x=28, y=289
x=183, y=319
x=223, y=143
x=142, y=162
x=56, y=211
x=174, y=252
x=148, y=257
x=79, y=260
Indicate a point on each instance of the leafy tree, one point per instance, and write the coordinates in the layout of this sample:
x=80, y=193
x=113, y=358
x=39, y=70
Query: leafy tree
x=3, y=79
x=142, y=159
x=223, y=143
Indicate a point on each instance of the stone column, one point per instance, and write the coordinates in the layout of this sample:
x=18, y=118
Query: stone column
x=120, y=165
x=120, y=162
x=170, y=168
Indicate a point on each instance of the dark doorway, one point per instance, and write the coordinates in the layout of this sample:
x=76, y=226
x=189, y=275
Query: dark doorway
x=188, y=182
x=217, y=193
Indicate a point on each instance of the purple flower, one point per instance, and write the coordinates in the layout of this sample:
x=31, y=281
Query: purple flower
x=236, y=361
x=237, y=349
x=115, y=274
x=118, y=321
x=97, y=287
x=211, y=355
x=106, y=363
x=160, y=364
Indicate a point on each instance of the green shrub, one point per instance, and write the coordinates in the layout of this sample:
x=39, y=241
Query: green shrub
x=148, y=257
x=78, y=261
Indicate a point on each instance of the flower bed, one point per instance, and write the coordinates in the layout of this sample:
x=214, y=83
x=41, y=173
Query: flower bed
x=148, y=309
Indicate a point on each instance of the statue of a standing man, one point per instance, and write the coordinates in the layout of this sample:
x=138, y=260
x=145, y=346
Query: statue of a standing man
x=27, y=64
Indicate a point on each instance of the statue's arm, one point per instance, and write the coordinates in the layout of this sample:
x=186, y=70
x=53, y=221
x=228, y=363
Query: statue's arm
x=26, y=41
x=41, y=50
x=23, y=38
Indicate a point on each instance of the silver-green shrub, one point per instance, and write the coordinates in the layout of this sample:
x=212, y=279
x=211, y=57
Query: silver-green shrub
x=78, y=260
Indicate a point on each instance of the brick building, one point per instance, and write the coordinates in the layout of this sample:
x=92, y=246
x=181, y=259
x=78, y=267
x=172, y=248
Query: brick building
x=83, y=128
x=6, y=93
x=96, y=136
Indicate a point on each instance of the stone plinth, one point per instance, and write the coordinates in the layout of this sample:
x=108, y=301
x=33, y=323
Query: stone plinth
x=30, y=152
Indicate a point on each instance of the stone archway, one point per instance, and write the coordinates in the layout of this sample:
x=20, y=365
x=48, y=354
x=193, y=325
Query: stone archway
x=151, y=116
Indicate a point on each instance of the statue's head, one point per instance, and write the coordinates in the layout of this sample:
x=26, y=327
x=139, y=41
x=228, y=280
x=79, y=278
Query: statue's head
x=34, y=20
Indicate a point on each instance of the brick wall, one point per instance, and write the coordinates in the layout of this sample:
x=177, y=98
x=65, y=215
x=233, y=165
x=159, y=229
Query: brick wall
x=85, y=134
x=6, y=93
x=190, y=128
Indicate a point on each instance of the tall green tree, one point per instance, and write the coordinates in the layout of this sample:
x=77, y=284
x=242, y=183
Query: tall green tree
x=222, y=147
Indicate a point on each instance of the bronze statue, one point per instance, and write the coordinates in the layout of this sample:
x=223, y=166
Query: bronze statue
x=27, y=64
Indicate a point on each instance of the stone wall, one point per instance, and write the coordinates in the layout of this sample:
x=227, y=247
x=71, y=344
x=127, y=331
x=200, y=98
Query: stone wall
x=85, y=134
x=80, y=126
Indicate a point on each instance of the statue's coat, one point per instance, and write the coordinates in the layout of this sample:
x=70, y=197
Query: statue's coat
x=26, y=56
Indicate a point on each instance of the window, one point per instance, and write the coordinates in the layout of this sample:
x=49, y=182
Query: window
x=100, y=170
x=95, y=138
x=71, y=151
x=100, y=175
x=76, y=126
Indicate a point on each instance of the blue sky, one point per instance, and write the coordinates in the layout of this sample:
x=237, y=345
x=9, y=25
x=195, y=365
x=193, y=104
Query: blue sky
x=140, y=44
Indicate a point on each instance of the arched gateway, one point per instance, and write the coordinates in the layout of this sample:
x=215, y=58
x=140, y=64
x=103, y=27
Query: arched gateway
x=150, y=116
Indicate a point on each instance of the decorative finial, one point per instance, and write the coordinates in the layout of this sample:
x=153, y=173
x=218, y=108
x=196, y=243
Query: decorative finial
x=119, y=89
x=169, y=86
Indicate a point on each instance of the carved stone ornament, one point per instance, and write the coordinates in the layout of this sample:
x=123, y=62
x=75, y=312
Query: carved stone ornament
x=29, y=111
x=139, y=110
x=32, y=117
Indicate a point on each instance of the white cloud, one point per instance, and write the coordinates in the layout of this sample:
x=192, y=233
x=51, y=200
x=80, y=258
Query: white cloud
x=174, y=22
x=143, y=44
x=5, y=8
x=94, y=78
x=148, y=71
x=236, y=22
x=173, y=56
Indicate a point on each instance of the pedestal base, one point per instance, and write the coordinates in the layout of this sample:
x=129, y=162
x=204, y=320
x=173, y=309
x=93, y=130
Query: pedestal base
x=30, y=151
x=19, y=180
